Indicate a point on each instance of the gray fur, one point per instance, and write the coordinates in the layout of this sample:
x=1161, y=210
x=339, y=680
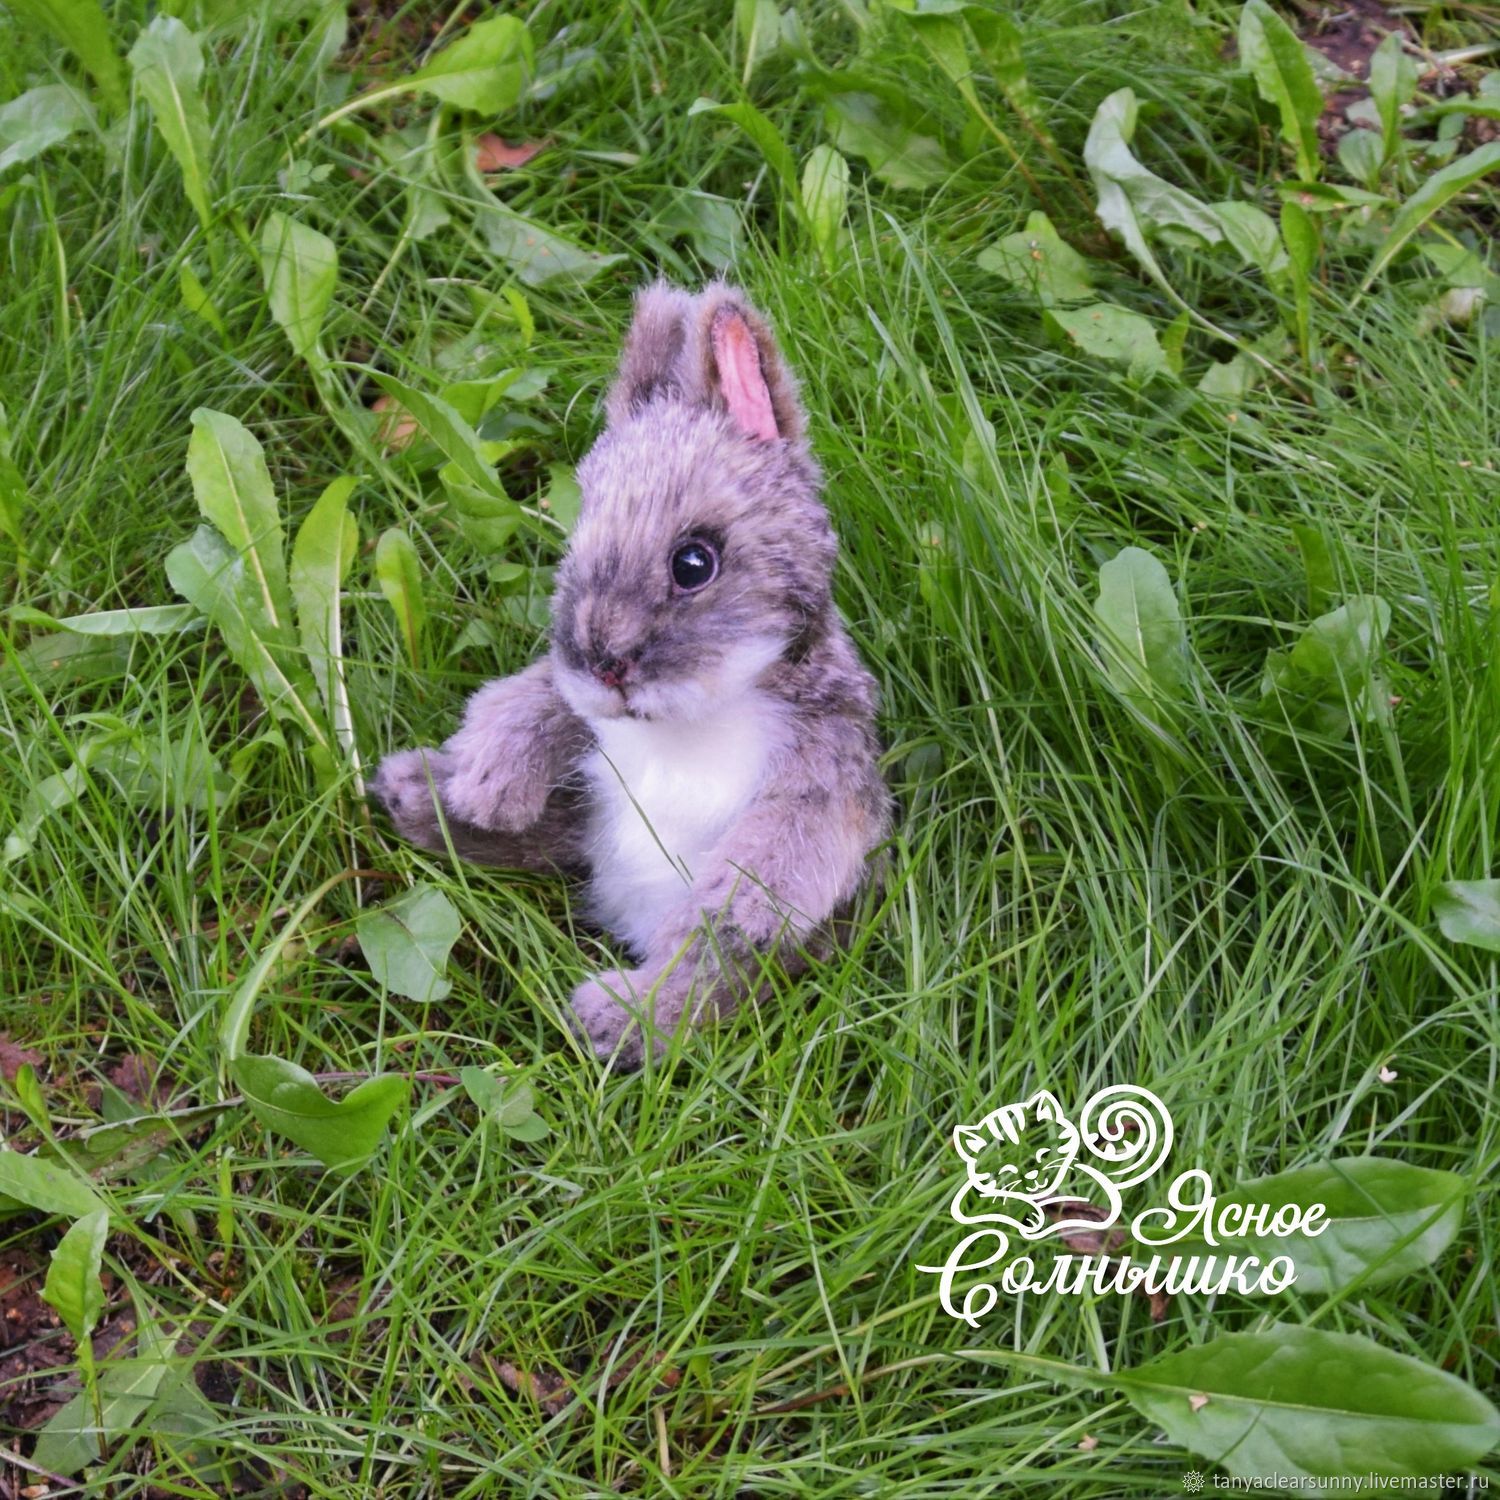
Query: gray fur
x=672, y=463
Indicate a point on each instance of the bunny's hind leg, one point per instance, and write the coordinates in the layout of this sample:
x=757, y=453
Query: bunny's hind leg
x=783, y=874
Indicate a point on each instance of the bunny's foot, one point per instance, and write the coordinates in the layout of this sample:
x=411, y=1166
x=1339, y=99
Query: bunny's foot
x=416, y=788
x=407, y=784
x=607, y=1011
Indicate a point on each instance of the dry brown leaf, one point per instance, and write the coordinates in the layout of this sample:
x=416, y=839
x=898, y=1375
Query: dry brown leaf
x=491, y=154
x=552, y=1390
x=14, y=1057
x=547, y=1388
x=397, y=426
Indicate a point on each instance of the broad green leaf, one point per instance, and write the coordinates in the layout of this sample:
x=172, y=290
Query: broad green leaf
x=168, y=64
x=146, y=619
x=28, y=1091
x=515, y=1105
x=1131, y=197
x=45, y=1186
x=1468, y=911
x=66, y=657
x=411, y=154
x=301, y=270
x=1141, y=632
x=212, y=577
x=766, y=137
x=44, y=798
x=1361, y=155
x=473, y=399
x=1000, y=45
x=1385, y=1219
x=236, y=17
x=1251, y=232
x=1428, y=199
x=887, y=140
x=182, y=773
x=399, y=575
x=485, y=70
x=62, y=789
x=535, y=253
x=1229, y=380
x=1304, y=1402
x=1481, y=106
x=1299, y=232
x=73, y=1287
x=1329, y=675
x=196, y=300
x=712, y=224
x=83, y=28
x=1040, y=260
x=508, y=1105
x=825, y=197
x=488, y=517
x=758, y=23
x=564, y=498
x=1269, y=48
x=341, y=1133
x=185, y=1422
x=1317, y=563
x=483, y=1087
x=134, y=1140
x=74, y=1436
x=14, y=496
x=943, y=35
x=321, y=558
x=234, y=1029
x=1393, y=82
x=40, y=118
x=455, y=438
x=406, y=942
x=1172, y=339
x=1461, y=267
x=1329, y=197
x=952, y=33
x=1113, y=333
x=233, y=489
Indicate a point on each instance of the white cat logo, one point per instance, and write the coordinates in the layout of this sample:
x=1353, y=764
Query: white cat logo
x=1024, y=1159
x=1031, y=1173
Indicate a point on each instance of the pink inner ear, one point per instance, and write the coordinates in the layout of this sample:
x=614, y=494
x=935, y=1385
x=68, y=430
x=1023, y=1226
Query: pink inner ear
x=740, y=377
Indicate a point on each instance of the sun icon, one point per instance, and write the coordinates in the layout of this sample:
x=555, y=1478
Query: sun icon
x=1192, y=1481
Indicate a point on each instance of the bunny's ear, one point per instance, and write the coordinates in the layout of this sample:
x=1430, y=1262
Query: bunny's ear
x=740, y=370
x=652, y=362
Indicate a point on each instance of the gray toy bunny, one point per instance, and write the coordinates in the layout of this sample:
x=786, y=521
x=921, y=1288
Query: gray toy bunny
x=700, y=740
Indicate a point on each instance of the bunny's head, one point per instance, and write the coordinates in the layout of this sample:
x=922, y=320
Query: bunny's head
x=702, y=554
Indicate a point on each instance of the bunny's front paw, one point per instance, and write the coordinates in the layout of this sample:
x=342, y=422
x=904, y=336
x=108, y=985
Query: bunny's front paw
x=606, y=1010
x=483, y=792
x=406, y=785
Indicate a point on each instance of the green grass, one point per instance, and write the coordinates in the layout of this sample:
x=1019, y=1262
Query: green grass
x=1234, y=916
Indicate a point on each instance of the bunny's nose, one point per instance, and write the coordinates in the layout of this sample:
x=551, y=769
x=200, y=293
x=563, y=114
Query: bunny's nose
x=612, y=670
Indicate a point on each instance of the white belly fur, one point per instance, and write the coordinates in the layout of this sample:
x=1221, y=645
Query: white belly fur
x=663, y=793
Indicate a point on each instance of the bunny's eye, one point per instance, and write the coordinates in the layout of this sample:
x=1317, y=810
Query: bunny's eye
x=695, y=565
